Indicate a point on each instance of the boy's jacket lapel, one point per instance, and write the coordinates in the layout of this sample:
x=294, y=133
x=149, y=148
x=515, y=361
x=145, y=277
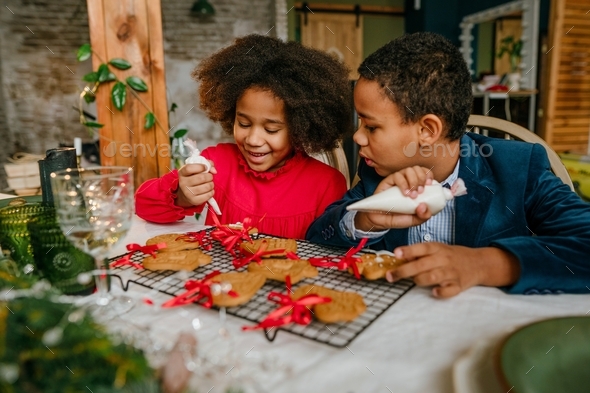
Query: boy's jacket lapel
x=471, y=209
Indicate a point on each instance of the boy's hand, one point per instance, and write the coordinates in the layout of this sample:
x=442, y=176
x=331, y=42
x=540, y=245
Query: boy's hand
x=378, y=221
x=453, y=269
x=195, y=186
x=411, y=182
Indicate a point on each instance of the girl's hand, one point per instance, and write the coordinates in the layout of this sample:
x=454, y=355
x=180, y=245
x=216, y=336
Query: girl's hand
x=450, y=270
x=411, y=182
x=195, y=186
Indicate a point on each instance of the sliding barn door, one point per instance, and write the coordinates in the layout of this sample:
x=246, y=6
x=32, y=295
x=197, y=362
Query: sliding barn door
x=567, y=100
x=336, y=34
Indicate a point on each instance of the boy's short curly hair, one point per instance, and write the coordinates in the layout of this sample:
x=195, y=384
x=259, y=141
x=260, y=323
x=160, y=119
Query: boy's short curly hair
x=313, y=86
x=424, y=73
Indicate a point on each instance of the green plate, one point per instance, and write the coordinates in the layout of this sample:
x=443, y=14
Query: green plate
x=28, y=199
x=547, y=356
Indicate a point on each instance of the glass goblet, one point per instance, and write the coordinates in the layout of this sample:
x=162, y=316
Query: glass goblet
x=94, y=208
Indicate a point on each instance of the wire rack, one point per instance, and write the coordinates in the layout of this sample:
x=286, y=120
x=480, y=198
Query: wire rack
x=378, y=295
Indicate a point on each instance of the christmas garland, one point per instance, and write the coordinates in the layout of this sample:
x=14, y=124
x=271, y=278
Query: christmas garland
x=49, y=347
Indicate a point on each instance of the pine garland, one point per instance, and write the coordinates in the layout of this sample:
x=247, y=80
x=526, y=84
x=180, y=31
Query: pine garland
x=53, y=347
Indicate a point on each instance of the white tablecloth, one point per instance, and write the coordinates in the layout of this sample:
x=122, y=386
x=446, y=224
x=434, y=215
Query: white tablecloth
x=410, y=348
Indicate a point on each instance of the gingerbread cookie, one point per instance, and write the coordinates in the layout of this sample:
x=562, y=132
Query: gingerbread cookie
x=180, y=260
x=374, y=266
x=245, y=284
x=344, y=307
x=286, y=245
x=173, y=242
x=279, y=269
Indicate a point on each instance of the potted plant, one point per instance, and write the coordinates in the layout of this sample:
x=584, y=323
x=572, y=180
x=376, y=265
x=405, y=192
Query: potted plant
x=509, y=45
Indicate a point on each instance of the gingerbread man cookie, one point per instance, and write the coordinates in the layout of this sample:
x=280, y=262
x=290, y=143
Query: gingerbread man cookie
x=180, y=260
x=279, y=269
x=245, y=284
x=284, y=245
x=344, y=307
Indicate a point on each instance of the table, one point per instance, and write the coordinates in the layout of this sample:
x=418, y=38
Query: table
x=487, y=95
x=410, y=348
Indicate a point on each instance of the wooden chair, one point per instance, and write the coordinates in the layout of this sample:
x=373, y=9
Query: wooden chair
x=336, y=159
x=478, y=123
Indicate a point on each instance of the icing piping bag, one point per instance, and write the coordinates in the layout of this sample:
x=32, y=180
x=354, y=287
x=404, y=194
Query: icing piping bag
x=393, y=201
x=196, y=158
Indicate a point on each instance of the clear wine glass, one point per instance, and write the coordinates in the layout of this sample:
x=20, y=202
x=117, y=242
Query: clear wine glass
x=94, y=208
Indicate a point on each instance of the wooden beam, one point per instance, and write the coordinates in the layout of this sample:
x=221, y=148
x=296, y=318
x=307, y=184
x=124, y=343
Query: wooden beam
x=132, y=30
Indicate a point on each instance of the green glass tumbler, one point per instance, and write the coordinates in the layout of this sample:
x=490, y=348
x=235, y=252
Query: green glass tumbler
x=14, y=232
x=57, y=259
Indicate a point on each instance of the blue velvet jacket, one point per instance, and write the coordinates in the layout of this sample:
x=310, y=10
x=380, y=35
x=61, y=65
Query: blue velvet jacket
x=514, y=202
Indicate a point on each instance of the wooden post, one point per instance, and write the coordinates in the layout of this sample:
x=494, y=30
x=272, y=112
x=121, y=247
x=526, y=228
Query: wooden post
x=132, y=30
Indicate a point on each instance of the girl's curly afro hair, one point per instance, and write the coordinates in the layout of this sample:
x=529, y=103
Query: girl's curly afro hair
x=313, y=86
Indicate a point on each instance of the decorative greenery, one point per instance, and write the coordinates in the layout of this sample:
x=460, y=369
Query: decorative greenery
x=52, y=347
x=513, y=48
x=104, y=75
x=133, y=84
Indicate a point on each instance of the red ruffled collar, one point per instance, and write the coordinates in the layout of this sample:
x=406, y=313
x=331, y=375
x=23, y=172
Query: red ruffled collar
x=291, y=162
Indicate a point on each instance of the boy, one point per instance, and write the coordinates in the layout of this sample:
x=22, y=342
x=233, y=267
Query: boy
x=519, y=227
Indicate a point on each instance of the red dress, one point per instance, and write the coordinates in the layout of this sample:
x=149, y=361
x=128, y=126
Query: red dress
x=280, y=203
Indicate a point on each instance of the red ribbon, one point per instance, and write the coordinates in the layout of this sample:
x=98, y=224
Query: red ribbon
x=133, y=248
x=291, y=311
x=291, y=255
x=197, y=237
x=238, y=262
x=195, y=291
x=345, y=262
x=230, y=237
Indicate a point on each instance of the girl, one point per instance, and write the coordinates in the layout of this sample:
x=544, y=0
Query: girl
x=280, y=101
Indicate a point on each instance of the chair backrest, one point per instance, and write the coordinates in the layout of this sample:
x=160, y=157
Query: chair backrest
x=336, y=158
x=480, y=124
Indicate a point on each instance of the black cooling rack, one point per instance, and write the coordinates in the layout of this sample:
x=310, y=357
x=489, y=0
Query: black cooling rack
x=378, y=295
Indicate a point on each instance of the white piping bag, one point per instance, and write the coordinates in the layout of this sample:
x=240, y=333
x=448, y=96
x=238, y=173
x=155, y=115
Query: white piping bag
x=196, y=158
x=393, y=201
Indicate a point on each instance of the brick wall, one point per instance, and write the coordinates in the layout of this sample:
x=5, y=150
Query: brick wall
x=37, y=45
x=189, y=39
x=40, y=78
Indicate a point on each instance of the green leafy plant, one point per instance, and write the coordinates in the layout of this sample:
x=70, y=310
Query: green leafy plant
x=134, y=85
x=102, y=76
x=513, y=48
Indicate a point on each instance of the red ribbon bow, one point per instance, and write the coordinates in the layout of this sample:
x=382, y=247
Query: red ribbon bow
x=238, y=262
x=197, y=237
x=296, y=311
x=133, y=248
x=195, y=291
x=230, y=237
x=345, y=262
